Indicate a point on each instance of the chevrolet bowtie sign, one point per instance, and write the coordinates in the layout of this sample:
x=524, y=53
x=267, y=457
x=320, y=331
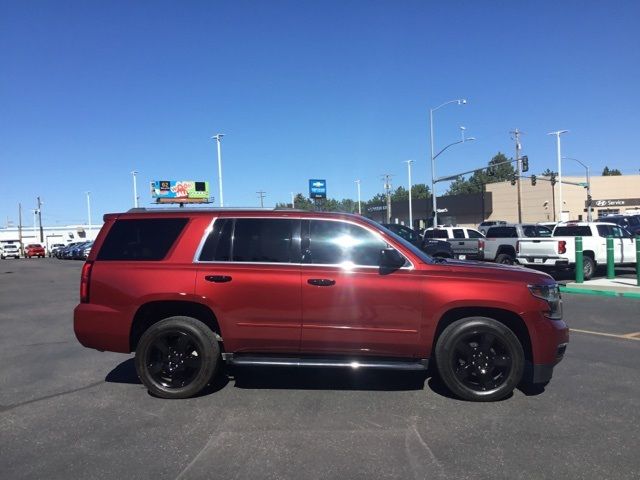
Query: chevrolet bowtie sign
x=317, y=188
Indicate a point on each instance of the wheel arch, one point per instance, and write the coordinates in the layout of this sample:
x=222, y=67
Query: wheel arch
x=506, y=249
x=510, y=319
x=154, y=311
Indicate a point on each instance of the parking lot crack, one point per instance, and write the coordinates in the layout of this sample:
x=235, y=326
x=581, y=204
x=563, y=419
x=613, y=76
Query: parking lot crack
x=4, y=408
x=423, y=466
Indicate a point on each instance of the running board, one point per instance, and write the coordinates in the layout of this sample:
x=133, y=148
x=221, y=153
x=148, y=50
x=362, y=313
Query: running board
x=380, y=364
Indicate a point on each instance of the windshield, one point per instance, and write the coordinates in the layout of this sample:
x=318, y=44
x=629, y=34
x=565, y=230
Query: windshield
x=408, y=245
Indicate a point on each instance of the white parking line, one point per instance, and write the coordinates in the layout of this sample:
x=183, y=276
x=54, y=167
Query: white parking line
x=629, y=336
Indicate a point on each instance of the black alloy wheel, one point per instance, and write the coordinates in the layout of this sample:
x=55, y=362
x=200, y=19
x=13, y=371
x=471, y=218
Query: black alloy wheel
x=177, y=357
x=479, y=359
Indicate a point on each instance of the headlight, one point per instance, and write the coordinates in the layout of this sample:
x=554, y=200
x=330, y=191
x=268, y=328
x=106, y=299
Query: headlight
x=551, y=295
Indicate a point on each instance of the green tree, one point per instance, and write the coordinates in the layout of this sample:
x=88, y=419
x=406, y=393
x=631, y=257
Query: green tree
x=499, y=169
x=548, y=172
x=420, y=191
x=400, y=194
x=607, y=172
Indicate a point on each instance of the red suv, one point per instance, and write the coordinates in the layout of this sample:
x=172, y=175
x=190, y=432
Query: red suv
x=190, y=289
x=34, y=250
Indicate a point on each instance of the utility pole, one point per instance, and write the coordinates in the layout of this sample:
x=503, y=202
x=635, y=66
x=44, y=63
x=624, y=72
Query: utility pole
x=89, y=212
x=387, y=187
x=135, y=189
x=409, y=162
x=218, y=137
x=359, y=202
x=261, y=194
x=20, y=227
x=516, y=135
x=40, y=220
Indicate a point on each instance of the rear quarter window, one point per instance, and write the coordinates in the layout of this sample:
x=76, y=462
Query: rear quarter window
x=141, y=239
x=572, y=231
x=502, y=232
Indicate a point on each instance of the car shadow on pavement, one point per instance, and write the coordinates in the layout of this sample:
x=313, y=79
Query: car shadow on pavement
x=300, y=378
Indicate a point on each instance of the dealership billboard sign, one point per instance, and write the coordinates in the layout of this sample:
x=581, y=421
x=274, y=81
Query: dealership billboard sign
x=180, y=191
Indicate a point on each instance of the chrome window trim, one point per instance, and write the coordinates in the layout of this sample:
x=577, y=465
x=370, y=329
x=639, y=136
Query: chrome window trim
x=209, y=229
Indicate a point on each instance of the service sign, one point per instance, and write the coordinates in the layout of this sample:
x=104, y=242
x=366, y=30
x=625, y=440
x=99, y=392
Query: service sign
x=188, y=190
x=317, y=188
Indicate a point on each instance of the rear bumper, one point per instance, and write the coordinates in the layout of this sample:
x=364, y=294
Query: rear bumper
x=102, y=328
x=550, y=263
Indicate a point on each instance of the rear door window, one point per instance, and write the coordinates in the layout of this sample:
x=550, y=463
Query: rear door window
x=458, y=233
x=502, y=232
x=262, y=240
x=217, y=247
x=436, y=234
x=142, y=239
x=474, y=234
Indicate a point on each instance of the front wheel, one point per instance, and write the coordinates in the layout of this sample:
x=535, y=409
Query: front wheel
x=479, y=359
x=177, y=357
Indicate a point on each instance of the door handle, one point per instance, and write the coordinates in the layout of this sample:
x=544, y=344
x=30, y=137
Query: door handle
x=218, y=278
x=321, y=282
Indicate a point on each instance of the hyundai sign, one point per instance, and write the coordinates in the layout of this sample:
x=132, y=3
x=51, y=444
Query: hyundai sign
x=317, y=188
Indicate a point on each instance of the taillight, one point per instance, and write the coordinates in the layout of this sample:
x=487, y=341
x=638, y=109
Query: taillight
x=518, y=246
x=85, y=279
x=481, y=245
x=562, y=246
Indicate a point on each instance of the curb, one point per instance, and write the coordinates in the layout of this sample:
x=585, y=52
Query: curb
x=601, y=293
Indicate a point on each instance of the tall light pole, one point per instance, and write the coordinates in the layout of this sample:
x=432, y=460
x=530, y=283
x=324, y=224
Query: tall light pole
x=218, y=137
x=359, y=203
x=135, y=189
x=293, y=200
x=559, y=156
x=409, y=162
x=588, y=176
x=89, y=210
x=460, y=101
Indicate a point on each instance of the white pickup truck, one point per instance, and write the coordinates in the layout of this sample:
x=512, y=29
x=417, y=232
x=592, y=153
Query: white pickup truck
x=466, y=243
x=558, y=252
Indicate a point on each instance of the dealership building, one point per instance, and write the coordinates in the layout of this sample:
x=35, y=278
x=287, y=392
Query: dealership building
x=539, y=203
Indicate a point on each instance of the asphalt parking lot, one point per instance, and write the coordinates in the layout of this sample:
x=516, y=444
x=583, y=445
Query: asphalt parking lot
x=69, y=412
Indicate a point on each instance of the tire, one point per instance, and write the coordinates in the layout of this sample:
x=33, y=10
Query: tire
x=177, y=357
x=479, y=359
x=588, y=267
x=505, y=259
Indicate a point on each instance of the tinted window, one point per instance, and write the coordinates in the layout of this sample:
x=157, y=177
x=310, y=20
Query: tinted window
x=339, y=242
x=474, y=234
x=141, y=239
x=572, y=231
x=262, y=240
x=458, y=233
x=604, y=230
x=436, y=234
x=502, y=232
x=218, y=244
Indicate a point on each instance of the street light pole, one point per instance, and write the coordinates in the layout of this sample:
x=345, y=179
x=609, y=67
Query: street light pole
x=89, y=210
x=460, y=101
x=218, y=137
x=559, y=157
x=588, y=176
x=359, y=203
x=135, y=189
x=293, y=200
x=409, y=162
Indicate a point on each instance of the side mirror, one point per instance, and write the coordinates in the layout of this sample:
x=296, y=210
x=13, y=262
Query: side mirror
x=391, y=259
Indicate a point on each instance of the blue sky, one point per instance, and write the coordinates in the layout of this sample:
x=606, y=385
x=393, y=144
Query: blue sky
x=302, y=89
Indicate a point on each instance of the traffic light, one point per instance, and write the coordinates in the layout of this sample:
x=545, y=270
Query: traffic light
x=525, y=163
x=553, y=179
x=534, y=180
x=513, y=180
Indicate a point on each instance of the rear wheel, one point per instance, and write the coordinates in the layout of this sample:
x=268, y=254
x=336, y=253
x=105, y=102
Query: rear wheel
x=177, y=357
x=479, y=359
x=588, y=267
x=505, y=259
